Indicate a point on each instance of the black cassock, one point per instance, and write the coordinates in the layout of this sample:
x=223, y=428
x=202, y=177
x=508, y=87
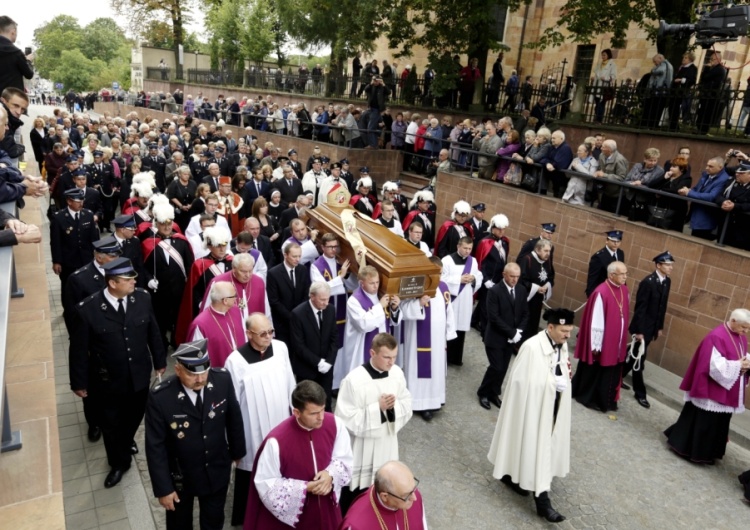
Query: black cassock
x=534, y=272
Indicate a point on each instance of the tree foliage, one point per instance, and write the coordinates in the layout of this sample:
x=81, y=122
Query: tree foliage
x=159, y=35
x=76, y=71
x=102, y=39
x=51, y=39
x=226, y=25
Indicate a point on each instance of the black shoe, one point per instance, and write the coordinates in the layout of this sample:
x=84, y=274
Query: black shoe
x=515, y=487
x=625, y=386
x=455, y=363
x=114, y=477
x=549, y=513
x=496, y=401
x=484, y=402
x=94, y=433
x=643, y=402
x=134, y=449
x=427, y=415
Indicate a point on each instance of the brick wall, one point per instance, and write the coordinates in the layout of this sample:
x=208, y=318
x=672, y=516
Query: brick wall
x=708, y=282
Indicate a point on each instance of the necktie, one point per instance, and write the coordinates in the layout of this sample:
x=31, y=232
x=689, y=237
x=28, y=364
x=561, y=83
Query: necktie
x=216, y=183
x=75, y=218
x=291, y=277
x=320, y=319
x=512, y=294
x=258, y=186
x=121, y=307
x=199, y=402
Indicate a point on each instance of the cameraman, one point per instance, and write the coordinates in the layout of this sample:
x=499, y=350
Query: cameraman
x=377, y=96
x=14, y=64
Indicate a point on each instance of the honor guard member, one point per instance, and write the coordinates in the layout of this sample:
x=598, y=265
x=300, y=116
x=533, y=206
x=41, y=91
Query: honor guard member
x=602, y=258
x=194, y=431
x=492, y=256
x=346, y=175
x=101, y=177
x=92, y=199
x=479, y=226
x=421, y=212
x=547, y=230
x=64, y=180
x=648, y=321
x=157, y=164
x=113, y=350
x=72, y=233
x=131, y=246
x=84, y=282
x=454, y=229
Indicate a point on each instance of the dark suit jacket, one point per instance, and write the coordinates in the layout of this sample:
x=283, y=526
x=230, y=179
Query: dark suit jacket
x=283, y=297
x=287, y=216
x=205, y=446
x=289, y=193
x=158, y=166
x=250, y=193
x=72, y=246
x=311, y=343
x=208, y=179
x=93, y=201
x=505, y=316
x=650, y=307
x=598, y=268
x=226, y=166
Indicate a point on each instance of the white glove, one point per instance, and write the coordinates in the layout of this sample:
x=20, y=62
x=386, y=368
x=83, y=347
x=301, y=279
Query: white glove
x=489, y=284
x=517, y=337
x=324, y=367
x=561, y=383
x=153, y=284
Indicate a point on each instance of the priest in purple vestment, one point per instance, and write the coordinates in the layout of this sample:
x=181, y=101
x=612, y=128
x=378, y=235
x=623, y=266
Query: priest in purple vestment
x=221, y=324
x=393, y=502
x=601, y=348
x=714, y=386
x=300, y=468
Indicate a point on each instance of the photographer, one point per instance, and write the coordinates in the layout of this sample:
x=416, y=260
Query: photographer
x=14, y=64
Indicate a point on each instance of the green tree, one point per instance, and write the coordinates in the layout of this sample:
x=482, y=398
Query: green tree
x=261, y=38
x=76, y=71
x=102, y=39
x=51, y=39
x=226, y=24
x=159, y=35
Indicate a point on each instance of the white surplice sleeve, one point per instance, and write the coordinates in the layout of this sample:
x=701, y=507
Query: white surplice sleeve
x=364, y=321
x=412, y=310
x=361, y=420
x=722, y=370
x=342, y=459
x=309, y=252
x=450, y=323
x=283, y=497
x=597, y=324
x=451, y=275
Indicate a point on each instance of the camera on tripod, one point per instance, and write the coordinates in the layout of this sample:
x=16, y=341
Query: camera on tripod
x=718, y=22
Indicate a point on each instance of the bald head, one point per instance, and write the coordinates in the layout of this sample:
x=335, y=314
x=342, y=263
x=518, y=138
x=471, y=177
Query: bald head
x=394, y=482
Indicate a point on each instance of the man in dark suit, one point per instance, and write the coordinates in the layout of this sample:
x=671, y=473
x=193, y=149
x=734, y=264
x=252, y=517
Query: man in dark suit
x=113, y=366
x=226, y=166
x=314, y=341
x=212, y=179
x=92, y=200
x=287, y=287
x=72, y=233
x=189, y=459
x=292, y=213
x=290, y=186
x=492, y=255
x=156, y=163
x=254, y=188
x=507, y=317
x=709, y=87
x=603, y=257
x=735, y=201
x=647, y=323
x=200, y=168
x=261, y=242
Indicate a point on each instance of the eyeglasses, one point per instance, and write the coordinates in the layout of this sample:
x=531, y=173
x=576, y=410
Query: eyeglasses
x=233, y=296
x=263, y=334
x=408, y=495
x=332, y=246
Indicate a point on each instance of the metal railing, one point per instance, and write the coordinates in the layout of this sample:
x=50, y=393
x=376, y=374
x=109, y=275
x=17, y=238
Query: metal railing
x=11, y=440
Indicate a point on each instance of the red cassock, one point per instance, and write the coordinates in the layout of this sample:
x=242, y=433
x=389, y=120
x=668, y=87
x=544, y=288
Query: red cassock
x=202, y=272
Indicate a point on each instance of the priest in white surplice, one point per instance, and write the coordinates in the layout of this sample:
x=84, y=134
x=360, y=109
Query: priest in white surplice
x=463, y=278
x=428, y=323
x=263, y=381
x=366, y=316
x=374, y=404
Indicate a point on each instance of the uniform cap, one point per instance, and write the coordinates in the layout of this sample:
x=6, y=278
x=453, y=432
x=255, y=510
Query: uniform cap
x=664, y=257
x=335, y=165
x=549, y=227
x=124, y=221
x=120, y=267
x=615, y=235
x=291, y=152
x=744, y=167
x=364, y=169
x=108, y=245
x=193, y=356
x=153, y=145
x=75, y=194
x=72, y=158
x=97, y=152
x=480, y=207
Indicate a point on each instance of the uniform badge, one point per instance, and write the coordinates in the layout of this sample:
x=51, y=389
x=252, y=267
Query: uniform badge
x=180, y=435
x=211, y=414
x=104, y=307
x=210, y=386
x=181, y=395
x=68, y=230
x=186, y=424
x=173, y=425
x=132, y=298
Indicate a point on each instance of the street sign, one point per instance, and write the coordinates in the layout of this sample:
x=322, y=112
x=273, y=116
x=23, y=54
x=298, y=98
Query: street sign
x=115, y=85
x=59, y=86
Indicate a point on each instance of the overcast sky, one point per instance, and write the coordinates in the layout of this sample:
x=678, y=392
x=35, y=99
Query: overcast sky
x=37, y=12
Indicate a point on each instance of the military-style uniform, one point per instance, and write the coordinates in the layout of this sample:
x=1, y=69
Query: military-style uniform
x=92, y=201
x=598, y=267
x=71, y=240
x=112, y=357
x=198, y=446
x=157, y=164
x=84, y=282
x=101, y=177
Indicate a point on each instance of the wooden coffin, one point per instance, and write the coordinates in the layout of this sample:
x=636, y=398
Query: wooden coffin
x=404, y=269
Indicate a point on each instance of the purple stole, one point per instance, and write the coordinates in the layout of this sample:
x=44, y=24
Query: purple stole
x=297, y=463
x=340, y=301
x=467, y=270
x=366, y=304
x=424, y=336
x=254, y=252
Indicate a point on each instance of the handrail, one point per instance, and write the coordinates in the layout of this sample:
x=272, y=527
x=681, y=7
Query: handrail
x=11, y=440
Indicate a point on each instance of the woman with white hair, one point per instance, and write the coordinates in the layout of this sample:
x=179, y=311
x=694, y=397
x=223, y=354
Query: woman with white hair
x=575, y=193
x=454, y=229
x=714, y=387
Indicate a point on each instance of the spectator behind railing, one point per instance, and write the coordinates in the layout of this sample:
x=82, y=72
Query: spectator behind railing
x=665, y=211
x=612, y=166
x=15, y=231
x=704, y=220
x=558, y=158
x=575, y=193
x=604, y=79
x=512, y=146
x=735, y=201
x=487, y=142
x=641, y=174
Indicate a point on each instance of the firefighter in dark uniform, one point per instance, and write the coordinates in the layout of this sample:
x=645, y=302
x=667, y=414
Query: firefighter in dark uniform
x=113, y=349
x=200, y=168
x=156, y=163
x=64, y=180
x=479, y=226
x=92, y=199
x=602, y=258
x=131, y=245
x=72, y=234
x=194, y=431
x=101, y=178
x=84, y=282
x=226, y=166
x=647, y=323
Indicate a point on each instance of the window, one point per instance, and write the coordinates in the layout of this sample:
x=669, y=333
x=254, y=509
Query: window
x=584, y=62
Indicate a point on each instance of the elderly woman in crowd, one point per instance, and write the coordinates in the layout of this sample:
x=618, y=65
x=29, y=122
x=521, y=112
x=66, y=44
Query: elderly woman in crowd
x=540, y=149
x=670, y=211
x=54, y=160
x=640, y=175
x=584, y=163
x=511, y=147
